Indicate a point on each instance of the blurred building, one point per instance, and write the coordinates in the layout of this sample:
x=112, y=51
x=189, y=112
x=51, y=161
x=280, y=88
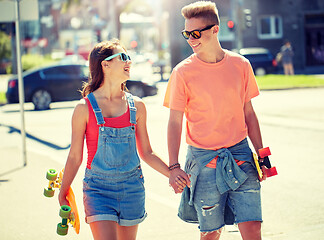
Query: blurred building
x=261, y=23
x=74, y=30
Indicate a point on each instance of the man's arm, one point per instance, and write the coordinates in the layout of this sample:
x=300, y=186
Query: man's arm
x=254, y=131
x=174, y=140
x=253, y=126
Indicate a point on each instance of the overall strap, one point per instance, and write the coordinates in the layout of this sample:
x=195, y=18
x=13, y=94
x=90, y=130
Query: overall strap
x=96, y=109
x=132, y=108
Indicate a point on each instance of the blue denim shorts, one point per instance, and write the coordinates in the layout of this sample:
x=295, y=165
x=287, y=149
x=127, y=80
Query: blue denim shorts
x=245, y=202
x=120, y=199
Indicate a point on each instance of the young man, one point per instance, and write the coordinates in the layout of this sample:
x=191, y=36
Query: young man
x=213, y=88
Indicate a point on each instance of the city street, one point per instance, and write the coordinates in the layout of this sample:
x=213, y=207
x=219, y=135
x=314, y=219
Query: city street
x=292, y=126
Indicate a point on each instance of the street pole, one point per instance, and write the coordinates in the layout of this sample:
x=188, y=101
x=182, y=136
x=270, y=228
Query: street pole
x=239, y=9
x=20, y=84
x=236, y=6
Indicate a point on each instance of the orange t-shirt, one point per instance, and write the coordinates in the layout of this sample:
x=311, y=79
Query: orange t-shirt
x=212, y=96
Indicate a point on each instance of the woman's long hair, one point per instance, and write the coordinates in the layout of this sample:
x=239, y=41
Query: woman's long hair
x=100, y=51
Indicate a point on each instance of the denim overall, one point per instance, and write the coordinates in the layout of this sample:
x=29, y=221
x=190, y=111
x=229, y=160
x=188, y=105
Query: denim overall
x=114, y=186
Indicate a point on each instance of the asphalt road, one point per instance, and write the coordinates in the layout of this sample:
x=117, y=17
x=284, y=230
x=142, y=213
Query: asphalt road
x=292, y=126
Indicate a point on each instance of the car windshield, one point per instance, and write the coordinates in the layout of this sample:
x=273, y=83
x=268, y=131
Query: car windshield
x=84, y=70
x=32, y=70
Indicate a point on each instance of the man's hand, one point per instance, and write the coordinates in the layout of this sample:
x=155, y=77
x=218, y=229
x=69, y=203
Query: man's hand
x=178, y=180
x=264, y=174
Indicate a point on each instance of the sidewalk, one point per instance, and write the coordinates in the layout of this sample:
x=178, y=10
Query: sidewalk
x=292, y=208
x=28, y=215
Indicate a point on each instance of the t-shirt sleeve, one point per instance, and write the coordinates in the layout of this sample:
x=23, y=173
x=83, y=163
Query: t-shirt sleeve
x=251, y=86
x=175, y=96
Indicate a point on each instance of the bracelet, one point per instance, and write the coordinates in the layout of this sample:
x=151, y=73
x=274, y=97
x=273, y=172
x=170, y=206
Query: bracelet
x=174, y=166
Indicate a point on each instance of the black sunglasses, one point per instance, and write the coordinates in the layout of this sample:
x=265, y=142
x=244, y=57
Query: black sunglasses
x=195, y=33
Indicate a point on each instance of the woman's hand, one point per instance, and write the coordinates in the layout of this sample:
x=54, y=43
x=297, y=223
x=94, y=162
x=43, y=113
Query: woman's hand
x=181, y=183
x=62, y=199
x=178, y=180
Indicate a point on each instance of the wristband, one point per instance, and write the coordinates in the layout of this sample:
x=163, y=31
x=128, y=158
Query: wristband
x=174, y=166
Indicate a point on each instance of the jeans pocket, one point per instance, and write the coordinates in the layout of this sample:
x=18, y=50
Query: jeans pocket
x=250, y=170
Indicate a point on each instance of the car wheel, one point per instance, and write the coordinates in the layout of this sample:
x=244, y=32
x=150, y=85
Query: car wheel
x=137, y=91
x=41, y=99
x=260, y=71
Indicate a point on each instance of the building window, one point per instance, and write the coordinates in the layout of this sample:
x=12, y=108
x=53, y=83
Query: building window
x=269, y=27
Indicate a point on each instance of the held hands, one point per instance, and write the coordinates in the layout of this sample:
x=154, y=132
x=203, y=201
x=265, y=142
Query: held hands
x=178, y=179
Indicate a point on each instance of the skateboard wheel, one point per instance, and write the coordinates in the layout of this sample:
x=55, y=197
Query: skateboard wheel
x=271, y=172
x=48, y=192
x=62, y=229
x=51, y=175
x=264, y=152
x=65, y=211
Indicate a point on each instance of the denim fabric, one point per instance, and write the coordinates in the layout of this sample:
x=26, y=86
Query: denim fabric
x=209, y=203
x=113, y=187
x=116, y=198
x=230, y=177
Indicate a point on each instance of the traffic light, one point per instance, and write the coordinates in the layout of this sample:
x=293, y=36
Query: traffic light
x=133, y=44
x=230, y=25
x=247, y=17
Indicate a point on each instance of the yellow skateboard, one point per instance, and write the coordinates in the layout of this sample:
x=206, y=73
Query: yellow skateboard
x=69, y=214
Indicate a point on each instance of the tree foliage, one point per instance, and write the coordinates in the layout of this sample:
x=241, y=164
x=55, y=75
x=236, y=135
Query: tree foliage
x=5, y=46
x=66, y=5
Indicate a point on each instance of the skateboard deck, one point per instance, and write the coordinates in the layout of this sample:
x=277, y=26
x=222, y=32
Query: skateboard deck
x=69, y=214
x=264, y=154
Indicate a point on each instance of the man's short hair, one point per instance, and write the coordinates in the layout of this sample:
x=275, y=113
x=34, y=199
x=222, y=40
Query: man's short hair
x=202, y=9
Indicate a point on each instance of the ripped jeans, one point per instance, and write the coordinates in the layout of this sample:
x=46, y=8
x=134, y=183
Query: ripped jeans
x=245, y=202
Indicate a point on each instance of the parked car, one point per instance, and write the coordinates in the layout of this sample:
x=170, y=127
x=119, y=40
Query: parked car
x=49, y=84
x=261, y=59
x=140, y=88
x=61, y=83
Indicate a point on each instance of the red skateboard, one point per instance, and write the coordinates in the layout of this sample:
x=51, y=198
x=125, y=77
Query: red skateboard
x=269, y=171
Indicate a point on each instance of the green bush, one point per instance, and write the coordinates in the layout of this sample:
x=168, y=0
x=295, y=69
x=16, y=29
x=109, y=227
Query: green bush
x=3, y=99
x=5, y=46
x=30, y=61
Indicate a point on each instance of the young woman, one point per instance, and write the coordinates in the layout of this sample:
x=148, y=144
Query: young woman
x=114, y=124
